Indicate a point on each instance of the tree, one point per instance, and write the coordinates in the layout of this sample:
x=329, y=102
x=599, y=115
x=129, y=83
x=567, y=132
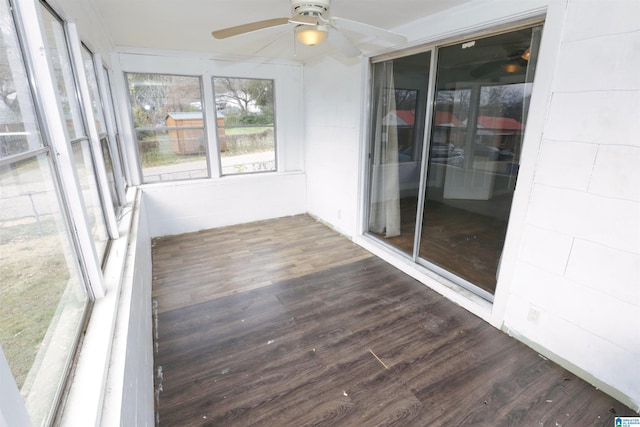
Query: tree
x=261, y=91
x=148, y=94
x=406, y=99
x=154, y=96
x=8, y=90
x=246, y=94
x=504, y=100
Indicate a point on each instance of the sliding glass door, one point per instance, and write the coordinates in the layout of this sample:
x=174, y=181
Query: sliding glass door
x=450, y=212
x=397, y=136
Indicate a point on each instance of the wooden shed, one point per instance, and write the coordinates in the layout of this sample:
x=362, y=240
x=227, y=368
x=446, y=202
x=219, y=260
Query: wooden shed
x=189, y=138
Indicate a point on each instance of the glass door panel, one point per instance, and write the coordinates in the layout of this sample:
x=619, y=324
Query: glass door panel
x=399, y=113
x=482, y=94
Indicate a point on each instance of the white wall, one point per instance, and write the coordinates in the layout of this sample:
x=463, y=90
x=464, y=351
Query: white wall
x=570, y=274
x=199, y=205
x=131, y=383
x=576, y=285
x=333, y=93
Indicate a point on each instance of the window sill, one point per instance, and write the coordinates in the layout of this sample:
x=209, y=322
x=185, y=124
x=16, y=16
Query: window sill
x=84, y=403
x=221, y=179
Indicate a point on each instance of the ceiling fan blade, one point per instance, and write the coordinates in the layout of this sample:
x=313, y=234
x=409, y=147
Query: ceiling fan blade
x=343, y=44
x=247, y=28
x=368, y=30
x=304, y=20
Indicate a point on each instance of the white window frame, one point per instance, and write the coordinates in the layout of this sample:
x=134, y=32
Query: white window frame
x=75, y=46
x=111, y=126
x=29, y=16
x=134, y=130
x=30, y=32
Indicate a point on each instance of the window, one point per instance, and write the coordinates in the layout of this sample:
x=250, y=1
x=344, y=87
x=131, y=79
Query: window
x=169, y=126
x=43, y=299
x=114, y=134
x=450, y=212
x=245, y=121
x=82, y=149
x=98, y=114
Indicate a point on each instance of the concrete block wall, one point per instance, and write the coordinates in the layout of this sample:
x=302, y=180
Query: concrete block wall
x=576, y=286
x=186, y=207
x=333, y=92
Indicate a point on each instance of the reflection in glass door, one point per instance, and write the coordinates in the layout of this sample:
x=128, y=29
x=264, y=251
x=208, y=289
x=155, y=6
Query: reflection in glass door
x=482, y=94
x=450, y=212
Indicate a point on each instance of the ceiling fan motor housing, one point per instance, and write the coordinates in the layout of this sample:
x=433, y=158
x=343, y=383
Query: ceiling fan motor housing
x=310, y=7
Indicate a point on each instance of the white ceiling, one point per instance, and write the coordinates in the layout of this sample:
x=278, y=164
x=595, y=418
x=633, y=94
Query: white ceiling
x=186, y=25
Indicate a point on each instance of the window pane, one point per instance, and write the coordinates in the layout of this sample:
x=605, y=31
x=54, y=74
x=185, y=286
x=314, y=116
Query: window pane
x=108, y=164
x=82, y=151
x=18, y=125
x=42, y=298
x=92, y=81
x=169, y=126
x=245, y=121
x=482, y=96
x=172, y=154
x=399, y=113
x=91, y=195
x=61, y=61
x=98, y=114
x=115, y=141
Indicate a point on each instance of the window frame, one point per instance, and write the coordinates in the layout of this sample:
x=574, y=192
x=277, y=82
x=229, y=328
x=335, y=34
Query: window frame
x=95, y=95
x=534, y=20
x=135, y=129
x=30, y=39
x=113, y=133
x=75, y=46
x=276, y=166
x=64, y=140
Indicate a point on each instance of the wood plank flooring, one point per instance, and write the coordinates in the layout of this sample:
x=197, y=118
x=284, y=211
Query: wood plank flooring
x=286, y=323
x=458, y=240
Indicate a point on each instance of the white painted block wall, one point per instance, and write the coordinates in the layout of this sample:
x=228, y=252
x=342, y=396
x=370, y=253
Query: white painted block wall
x=177, y=208
x=137, y=404
x=576, y=287
x=333, y=96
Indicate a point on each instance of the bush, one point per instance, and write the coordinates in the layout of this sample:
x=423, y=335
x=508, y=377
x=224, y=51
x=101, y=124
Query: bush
x=249, y=143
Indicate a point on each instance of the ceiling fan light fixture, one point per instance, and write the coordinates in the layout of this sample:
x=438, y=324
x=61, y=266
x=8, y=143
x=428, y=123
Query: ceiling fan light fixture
x=511, y=67
x=311, y=35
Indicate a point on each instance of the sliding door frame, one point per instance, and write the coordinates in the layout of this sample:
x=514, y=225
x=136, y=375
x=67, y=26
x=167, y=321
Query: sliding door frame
x=433, y=48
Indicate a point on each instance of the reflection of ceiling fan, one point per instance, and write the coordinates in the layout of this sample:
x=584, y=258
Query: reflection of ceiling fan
x=313, y=24
x=514, y=62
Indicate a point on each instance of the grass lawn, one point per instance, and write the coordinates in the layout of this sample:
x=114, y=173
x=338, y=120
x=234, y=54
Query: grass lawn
x=34, y=276
x=246, y=131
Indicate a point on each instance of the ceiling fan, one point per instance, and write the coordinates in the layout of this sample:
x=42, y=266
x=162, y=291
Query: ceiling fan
x=312, y=24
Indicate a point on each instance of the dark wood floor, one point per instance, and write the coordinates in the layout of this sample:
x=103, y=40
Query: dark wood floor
x=464, y=242
x=286, y=323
